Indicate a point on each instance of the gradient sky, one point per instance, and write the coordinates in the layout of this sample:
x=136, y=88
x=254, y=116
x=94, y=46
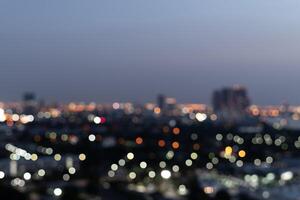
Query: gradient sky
x=130, y=50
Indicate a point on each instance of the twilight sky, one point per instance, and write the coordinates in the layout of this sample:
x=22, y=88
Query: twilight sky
x=130, y=50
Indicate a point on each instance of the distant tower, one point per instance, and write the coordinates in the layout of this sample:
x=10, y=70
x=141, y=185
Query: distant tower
x=161, y=101
x=29, y=103
x=231, y=102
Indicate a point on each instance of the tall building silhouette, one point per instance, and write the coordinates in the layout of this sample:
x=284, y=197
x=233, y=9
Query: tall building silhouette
x=161, y=101
x=29, y=103
x=231, y=102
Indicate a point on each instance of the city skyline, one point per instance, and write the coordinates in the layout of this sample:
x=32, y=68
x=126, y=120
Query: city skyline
x=153, y=99
x=159, y=100
x=107, y=51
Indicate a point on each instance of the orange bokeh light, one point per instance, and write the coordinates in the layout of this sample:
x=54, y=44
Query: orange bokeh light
x=161, y=143
x=176, y=131
x=175, y=145
x=139, y=140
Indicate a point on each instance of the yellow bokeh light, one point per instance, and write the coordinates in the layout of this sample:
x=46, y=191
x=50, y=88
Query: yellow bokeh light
x=82, y=157
x=57, y=157
x=34, y=157
x=228, y=150
x=242, y=153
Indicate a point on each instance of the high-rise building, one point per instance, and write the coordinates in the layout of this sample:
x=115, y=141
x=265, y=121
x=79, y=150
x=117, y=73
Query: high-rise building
x=231, y=102
x=161, y=101
x=29, y=103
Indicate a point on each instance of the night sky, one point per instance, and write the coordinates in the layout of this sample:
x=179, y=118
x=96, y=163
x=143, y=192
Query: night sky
x=119, y=50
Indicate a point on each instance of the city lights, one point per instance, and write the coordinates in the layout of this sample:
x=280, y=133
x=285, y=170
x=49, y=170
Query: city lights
x=57, y=192
x=130, y=156
x=27, y=176
x=164, y=100
x=149, y=147
x=92, y=137
x=165, y=174
x=2, y=174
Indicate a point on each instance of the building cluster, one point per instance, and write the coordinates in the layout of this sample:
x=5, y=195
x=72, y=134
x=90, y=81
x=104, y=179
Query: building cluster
x=231, y=103
x=164, y=150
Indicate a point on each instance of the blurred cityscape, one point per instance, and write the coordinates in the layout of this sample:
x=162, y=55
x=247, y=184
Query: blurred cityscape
x=231, y=149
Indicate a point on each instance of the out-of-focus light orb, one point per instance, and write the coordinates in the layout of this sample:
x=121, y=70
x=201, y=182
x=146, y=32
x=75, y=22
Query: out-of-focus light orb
x=215, y=160
x=34, y=157
x=152, y=174
x=157, y=110
x=116, y=105
x=208, y=190
x=122, y=162
x=72, y=170
x=209, y=165
x=242, y=153
x=27, y=176
x=41, y=172
x=213, y=117
x=219, y=137
x=286, y=176
x=57, y=192
x=176, y=131
x=194, y=136
x=130, y=156
x=229, y=136
x=2, y=115
x=162, y=164
x=92, y=137
x=27, y=156
x=2, y=174
x=194, y=156
x=64, y=137
x=228, y=151
x=114, y=167
x=182, y=190
x=170, y=155
x=82, y=157
x=57, y=157
x=270, y=176
x=175, y=168
x=257, y=162
x=15, y=117
x=161, y=143
x=97, y=120
x=21, y=183
x=269, y=160
x=49, y=151
x=239, y=163
x=165, y=174
x=232, y=159
x=266, y=194
x=192, y=116
x=132, y=175
x=172, y=123
x=14, y=156
x=111, y=173
x=66, y=177
x=18, y=182
x=188, y=162
x=139, y=140
x=175, y=145
x=201, y=117
x=30, y=118
x=143, y=165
